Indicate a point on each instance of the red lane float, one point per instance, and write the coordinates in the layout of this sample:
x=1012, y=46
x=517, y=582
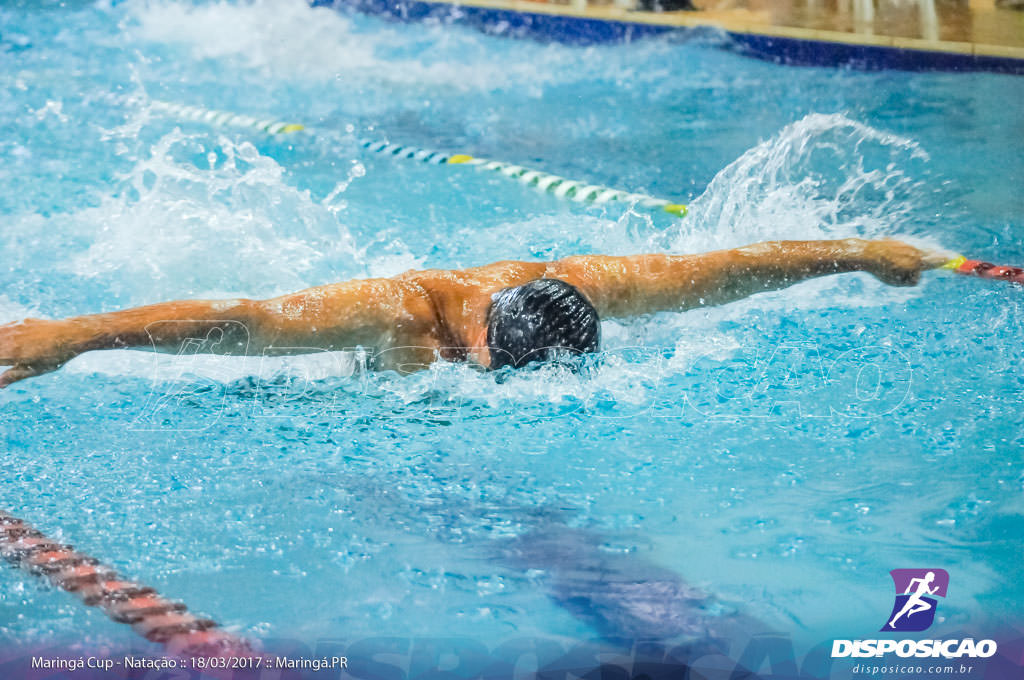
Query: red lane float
x=987, y=270
x=149, y=614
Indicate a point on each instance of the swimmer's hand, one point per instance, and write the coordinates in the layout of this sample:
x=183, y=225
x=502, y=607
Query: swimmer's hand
x=894, y=262
x=33, y=347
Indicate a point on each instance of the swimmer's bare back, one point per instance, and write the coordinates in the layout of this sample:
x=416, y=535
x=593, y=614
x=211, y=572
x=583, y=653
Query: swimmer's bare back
x=418, y=317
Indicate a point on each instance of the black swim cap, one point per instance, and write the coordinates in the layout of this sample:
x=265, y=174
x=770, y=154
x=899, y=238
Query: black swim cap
x=538, y=321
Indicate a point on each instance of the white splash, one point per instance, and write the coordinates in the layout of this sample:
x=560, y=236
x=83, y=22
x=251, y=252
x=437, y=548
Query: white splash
x=12, y=311
x=291, y=42
x=824, y=176
x=186, y=227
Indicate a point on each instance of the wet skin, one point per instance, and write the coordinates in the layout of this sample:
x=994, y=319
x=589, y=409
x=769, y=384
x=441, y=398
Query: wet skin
x=419, y=317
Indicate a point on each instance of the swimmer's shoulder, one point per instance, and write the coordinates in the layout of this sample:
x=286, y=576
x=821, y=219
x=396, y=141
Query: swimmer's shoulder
x=503, y=273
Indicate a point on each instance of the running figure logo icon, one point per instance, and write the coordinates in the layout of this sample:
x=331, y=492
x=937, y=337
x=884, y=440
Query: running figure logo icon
x=914, y=609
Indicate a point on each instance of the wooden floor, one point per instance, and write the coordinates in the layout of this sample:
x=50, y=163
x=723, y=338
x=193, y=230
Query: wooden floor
x=957, y=26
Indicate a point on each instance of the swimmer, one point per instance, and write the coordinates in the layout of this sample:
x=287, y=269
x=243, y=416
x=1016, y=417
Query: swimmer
x=502, y=314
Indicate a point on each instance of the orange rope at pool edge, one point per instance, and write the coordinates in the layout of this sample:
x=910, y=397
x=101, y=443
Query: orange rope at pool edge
x=148, y=613
x=985, y=270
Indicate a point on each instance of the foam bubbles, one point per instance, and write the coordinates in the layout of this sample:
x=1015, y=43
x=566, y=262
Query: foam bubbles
x=187, y=227
x=12, y=311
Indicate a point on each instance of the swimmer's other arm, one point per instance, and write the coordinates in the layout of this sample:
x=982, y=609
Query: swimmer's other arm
x=643, y=284
x=366, y=313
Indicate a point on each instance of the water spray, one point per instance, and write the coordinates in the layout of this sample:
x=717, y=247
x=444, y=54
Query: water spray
x=569, y=189
x=574, y=190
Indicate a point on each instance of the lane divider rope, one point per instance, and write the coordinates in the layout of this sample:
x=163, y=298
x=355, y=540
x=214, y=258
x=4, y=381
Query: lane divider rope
x=569, y=189
x=159, y=620
x=224, y=118
x=580, y=192
x=959, y=264
x=985, y=270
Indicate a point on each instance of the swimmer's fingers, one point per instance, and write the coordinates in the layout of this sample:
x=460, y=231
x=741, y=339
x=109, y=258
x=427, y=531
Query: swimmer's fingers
x=935, y=259
x=896, y=263
x=30, y=347
x=16, y=373
x=8, y=350
x=33, y=346
x=900, y=276
x=22, y=371
x=18, y=343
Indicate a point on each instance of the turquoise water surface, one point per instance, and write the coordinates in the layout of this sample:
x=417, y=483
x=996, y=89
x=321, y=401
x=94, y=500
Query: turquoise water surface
x=779, y=455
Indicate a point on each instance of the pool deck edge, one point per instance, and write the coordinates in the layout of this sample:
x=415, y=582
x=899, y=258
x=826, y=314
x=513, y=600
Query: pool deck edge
x=733, y=22
x=779, y=42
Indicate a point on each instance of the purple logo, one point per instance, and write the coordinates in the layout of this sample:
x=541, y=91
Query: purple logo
x=914, y=609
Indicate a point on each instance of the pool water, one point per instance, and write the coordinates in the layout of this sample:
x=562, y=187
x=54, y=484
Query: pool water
x=778, y=455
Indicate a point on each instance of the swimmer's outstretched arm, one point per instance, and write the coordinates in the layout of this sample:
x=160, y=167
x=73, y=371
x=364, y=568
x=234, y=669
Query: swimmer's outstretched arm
x=644, y=284
x=368, y=313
